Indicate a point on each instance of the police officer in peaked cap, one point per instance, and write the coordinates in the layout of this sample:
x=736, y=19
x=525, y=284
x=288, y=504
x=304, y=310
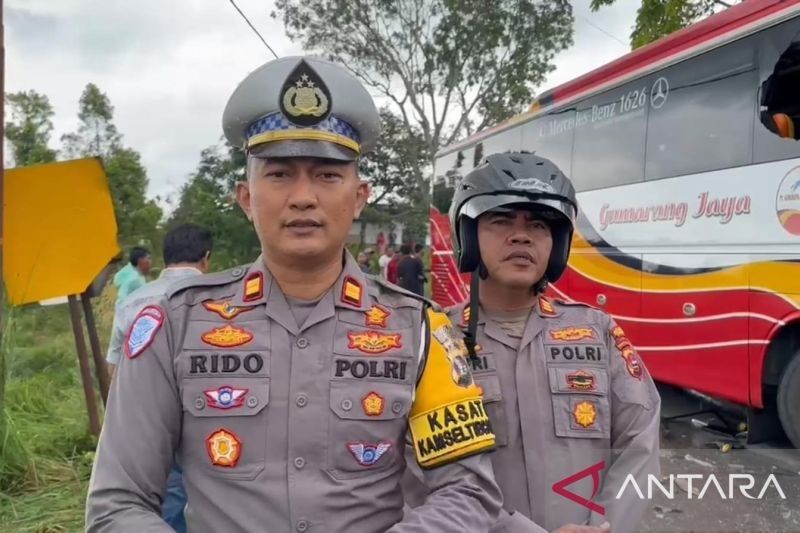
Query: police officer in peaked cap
x=573, y=407
x=288, y=389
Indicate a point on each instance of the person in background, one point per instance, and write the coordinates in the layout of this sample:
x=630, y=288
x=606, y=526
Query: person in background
x=384, y=260
x=363, y=262
x=132, y=275
x=391, y=268
x=411, y=271
x=187, y=250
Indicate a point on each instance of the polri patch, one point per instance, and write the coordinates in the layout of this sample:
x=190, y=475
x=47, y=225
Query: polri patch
x=143, y=330
x=227, y=336
x=632, y=363
x=373, y=342
x=368, y=454
x=225, y=397
x=456, y=352
x=224, y=448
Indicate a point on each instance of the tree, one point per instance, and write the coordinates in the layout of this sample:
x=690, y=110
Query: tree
x=97, y=136
x=657, y=18
x=448, y=67
x=392, y=169
x=29, y=130
x=208, y=199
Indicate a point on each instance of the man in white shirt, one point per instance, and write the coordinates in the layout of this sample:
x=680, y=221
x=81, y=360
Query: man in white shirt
x=383, y=260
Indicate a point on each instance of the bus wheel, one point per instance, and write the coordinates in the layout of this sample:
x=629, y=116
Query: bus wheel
x=789, y=400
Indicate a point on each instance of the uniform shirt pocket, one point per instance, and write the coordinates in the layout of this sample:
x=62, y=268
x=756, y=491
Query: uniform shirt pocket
x=224, y=424
x=367, y=427
x=581, y=407
x=489, y=382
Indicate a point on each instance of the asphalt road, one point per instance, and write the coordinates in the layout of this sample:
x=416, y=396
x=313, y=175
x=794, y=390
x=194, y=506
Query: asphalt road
x=746, y=488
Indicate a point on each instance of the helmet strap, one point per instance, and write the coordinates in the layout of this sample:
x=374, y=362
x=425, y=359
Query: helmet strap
x=474, y=304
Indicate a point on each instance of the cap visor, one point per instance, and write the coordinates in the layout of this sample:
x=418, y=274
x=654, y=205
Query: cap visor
x=478, y=205
x=303, y=148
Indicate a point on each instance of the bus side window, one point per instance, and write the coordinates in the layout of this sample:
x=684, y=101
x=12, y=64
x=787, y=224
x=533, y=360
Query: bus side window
x=778, y=128
x=701, y=114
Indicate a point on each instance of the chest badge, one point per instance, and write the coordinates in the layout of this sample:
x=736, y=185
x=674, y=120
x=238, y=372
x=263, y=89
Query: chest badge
x=368, y=454
x=372, y=404
x=581, y=380
x=376, y=316
x=572, y=334
x=224, y=448
x=227, y=336
x=585, y=414
x=373, y=342
x=225, y=397
x=225, y=309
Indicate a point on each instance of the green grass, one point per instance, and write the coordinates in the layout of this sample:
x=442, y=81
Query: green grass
x=46, y=453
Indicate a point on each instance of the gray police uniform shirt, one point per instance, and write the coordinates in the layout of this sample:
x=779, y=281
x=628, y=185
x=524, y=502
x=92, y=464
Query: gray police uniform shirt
x=277, y=427
x=567, y=400
x=133, y=303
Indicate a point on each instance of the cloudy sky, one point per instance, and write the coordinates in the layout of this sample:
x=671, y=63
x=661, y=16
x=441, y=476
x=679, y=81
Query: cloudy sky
x=169, y=66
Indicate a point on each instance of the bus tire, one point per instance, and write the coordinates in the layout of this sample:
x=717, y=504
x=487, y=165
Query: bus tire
x=788, y=400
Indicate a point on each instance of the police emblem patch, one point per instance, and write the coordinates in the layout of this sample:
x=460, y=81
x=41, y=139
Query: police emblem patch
x=224, y=448
x=372, y=404
x=585, y=414
x=227, y=336
x=373, y=342
x=632, y=363
x=572, y=334
x=225, y=309
x=582, y=380
x=225, y=397
x=143, y=330
x=368, y=454
x=305, y=99
x=456, y=351
x=376, y=316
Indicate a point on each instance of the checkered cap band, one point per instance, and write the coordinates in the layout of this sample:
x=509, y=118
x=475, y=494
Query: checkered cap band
x=276, y=122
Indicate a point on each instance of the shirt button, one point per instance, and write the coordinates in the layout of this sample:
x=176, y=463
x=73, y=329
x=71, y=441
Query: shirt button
x=347, y=405
x=252, y=401
x=302, y=342
x=397, y=407
x=299, y=462
x=301, y=525
x=301, y=400
x=199, y=403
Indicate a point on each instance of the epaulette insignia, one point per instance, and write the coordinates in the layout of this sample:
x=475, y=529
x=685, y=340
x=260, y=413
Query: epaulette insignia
x=546, y=307
x=465, y=317
x=351, y=292
x=376, y=316
x=253, y=287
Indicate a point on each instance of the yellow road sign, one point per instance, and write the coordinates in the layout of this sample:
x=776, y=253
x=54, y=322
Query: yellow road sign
x=59, y=229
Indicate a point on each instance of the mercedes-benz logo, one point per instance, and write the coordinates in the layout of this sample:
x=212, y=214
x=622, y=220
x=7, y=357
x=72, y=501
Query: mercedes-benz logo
x=659, y=92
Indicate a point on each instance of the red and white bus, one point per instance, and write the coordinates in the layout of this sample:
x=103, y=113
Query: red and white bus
x=686, y=161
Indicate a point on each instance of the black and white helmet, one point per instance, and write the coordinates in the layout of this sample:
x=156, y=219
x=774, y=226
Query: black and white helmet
x=518, y=179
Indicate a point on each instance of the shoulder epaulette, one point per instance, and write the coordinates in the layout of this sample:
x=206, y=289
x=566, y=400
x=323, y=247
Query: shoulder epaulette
x=575, y=303
x=224, y=277
x=391, y=287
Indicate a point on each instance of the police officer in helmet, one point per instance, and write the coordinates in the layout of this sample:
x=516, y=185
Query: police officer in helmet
x=288, y=388
x=573, y=407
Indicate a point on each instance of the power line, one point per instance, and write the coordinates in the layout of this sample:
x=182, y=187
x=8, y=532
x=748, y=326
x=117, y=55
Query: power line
x=598, y=28
x=253, y=28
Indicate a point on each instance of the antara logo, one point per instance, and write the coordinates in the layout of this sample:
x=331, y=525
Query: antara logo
x=560, y=487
